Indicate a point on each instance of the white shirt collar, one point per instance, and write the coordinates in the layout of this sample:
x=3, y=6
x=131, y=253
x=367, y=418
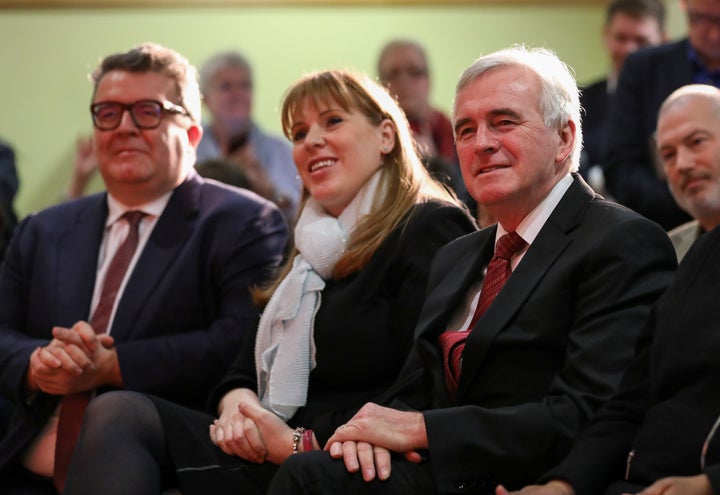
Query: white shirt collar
x=154, y=208
x=530, y=226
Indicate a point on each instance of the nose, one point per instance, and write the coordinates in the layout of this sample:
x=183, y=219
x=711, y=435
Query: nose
x=485, y=141
x=315, y=137
x=685, y=160
x=127, y=124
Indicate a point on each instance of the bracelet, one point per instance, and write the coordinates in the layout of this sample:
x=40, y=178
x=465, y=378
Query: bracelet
x=307, y=441
x=297, y=435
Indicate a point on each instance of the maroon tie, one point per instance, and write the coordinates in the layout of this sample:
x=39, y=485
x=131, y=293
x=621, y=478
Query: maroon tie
x=498, y=271
x=72, y=406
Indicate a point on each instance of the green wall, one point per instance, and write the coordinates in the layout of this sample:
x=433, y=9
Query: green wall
x=47, y=54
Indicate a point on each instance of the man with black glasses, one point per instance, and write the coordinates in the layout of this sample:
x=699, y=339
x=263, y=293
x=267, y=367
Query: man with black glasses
x=143, y=287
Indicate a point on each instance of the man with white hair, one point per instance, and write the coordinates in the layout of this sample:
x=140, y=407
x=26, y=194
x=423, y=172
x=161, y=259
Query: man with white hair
x=503, y=377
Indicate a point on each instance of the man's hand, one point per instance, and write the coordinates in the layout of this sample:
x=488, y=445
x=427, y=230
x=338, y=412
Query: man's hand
x=75, y=360
x=555, y=487
x=680, y=485
x=365, y=442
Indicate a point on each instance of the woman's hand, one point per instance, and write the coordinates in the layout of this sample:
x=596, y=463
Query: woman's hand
x=276, y=435
x=233, y=432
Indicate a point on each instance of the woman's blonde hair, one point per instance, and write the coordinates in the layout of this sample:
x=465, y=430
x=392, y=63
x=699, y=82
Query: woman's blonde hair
x=404, y=179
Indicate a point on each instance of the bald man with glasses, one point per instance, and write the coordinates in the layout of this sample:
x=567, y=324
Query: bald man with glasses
x=143, y=287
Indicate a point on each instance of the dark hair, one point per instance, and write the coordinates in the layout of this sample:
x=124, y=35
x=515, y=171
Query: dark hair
x=637, y=9
x=152, y=57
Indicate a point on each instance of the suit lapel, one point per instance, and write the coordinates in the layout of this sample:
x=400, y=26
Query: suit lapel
x=552, y=240
x=77, y=258
x=446, y=297
x=171, y=232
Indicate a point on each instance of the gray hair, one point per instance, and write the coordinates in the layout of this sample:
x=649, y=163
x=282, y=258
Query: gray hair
x=222, y=60
x=559, y=95
x=400, y=43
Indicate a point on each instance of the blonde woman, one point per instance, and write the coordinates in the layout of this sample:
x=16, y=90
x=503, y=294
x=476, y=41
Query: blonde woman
x=338, y=321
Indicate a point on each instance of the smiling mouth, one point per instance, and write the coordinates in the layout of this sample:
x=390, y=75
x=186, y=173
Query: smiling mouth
x=490, y=169
x=321, y=164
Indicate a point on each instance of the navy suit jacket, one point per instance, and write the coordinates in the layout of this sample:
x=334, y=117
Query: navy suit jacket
x=631, y=174
x=549, y=350
x=595, y=101
x=182, y=316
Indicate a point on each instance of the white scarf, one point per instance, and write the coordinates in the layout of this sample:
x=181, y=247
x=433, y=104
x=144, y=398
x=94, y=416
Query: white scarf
x=285, y=348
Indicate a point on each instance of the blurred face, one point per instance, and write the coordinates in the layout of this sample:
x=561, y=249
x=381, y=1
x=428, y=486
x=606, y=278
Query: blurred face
x=139, y=165
x=336, y=152
x=229, y=97
x=404, y=70
x=509, y=158
x=625, y=34
x=689, y=146
x=704, y=29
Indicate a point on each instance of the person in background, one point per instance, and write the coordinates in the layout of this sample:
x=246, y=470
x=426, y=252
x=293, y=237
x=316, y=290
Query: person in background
x=633, y=175
x=142, y=287
x=527, y=326
x=629, y=25
x=338, y=324
x=9, y=184
x=226, y=82
x=688, y=141
x=403, y=67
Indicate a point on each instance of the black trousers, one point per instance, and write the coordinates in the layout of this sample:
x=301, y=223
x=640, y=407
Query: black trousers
x=317, y=473
x=16, y=480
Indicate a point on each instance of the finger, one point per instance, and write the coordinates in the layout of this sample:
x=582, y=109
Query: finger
x=335, y=449
x=46, y=359
x=78, y=357
x=500, y=490
x=219, y=436
x=413, y=456
x=366, y=457
x=87, y=334
x=657, y=488
x=253, y=440
x=68, y=336
x=350, y=456
x=341, y=434
x=382, y=462
x=106, y=340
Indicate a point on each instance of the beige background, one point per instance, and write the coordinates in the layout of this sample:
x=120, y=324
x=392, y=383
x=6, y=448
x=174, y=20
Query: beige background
x=46, y=54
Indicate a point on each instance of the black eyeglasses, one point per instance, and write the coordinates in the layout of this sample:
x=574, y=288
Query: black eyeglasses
x=146, y=114
x=702, y=19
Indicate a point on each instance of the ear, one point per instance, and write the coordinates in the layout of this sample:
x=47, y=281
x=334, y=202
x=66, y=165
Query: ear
x=386, y=129
x=195, y=133
x=566, y=142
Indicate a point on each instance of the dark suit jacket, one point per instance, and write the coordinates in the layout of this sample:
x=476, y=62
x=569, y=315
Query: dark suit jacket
x=182, y=316
x=377, y=309
x=631, y=176
x=8, y=188
x=549, y=350
x=594, y=100
x=670, y=396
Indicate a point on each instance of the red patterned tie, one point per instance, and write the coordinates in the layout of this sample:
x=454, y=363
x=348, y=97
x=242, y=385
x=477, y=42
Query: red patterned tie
x=498, y=271
x=72, y=406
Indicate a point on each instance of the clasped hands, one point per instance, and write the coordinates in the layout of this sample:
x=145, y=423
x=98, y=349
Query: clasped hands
x=75, y=360
x=366, y=441
x=247, y=430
